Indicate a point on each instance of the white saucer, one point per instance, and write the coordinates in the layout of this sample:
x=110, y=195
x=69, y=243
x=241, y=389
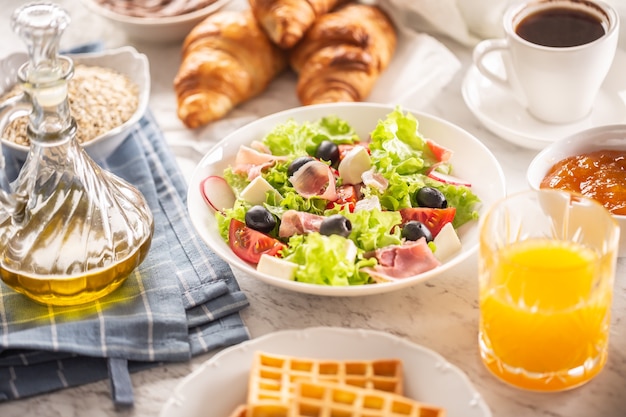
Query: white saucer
x=505, y=117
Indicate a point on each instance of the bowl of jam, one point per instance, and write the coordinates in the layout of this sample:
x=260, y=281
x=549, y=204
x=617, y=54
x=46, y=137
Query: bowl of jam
x=592, y=163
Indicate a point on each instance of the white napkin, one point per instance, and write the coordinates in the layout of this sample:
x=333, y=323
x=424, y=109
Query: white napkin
x=466, y=21
x=420, y=68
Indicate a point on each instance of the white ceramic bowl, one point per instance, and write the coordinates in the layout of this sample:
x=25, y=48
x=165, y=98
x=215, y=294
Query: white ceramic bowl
x=125, y=60
x=168, y=29
x=471, y=161
x=599, y=138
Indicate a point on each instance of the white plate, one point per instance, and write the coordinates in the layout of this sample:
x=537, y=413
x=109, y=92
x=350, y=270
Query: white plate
x=504, y=116
x=471, y=161
x=429, y=377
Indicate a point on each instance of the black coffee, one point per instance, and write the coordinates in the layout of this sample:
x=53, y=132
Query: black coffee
x=560, y=27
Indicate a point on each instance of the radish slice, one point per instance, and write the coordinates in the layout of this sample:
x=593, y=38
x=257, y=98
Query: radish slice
x=446, y=178
x=217, y=193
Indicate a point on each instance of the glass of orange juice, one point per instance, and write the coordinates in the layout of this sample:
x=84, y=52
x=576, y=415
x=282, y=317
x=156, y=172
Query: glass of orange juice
x=546, y=269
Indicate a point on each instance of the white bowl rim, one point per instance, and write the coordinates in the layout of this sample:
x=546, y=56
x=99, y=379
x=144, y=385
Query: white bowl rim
x=585, y=140
x=155, y=21
x=142, y=105
x=357, y=290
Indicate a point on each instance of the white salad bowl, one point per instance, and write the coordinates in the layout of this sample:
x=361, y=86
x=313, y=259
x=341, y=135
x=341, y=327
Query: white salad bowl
x=471, y=161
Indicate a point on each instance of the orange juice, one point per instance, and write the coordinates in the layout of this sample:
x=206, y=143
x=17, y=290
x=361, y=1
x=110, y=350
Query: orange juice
x=544, y=314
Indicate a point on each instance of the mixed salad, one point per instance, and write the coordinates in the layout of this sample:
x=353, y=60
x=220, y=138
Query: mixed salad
x=315, y=203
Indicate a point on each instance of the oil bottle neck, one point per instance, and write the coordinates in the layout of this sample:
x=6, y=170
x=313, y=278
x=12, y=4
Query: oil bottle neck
x=47, y=88
x=46, y=75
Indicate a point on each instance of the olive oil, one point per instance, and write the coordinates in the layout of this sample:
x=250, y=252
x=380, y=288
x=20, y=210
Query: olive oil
x=70, y=232
x=76, y=289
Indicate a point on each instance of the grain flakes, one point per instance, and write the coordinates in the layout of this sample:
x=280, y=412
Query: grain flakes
x=100, y=99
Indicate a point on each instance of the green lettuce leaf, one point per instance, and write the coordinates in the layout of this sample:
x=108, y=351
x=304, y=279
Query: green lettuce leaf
x=396, y=145
x=373, y=229
x=326, y=260
x=298, y=139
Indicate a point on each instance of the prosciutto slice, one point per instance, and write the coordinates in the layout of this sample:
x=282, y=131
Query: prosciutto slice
x=315, y=179
x=257, y=145
x=375, y=179
x=402, y=261
x=251, y=161
x=295, y=222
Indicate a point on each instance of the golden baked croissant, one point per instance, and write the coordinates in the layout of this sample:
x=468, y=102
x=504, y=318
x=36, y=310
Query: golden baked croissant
x=286, y=21
x=343, y=54
x=227, y=59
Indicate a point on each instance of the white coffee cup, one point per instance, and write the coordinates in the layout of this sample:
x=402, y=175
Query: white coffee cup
x=556, y=84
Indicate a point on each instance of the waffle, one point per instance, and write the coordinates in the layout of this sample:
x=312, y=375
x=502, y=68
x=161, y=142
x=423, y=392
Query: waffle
x=239, y=411
x=327, y=399
x=272, y=378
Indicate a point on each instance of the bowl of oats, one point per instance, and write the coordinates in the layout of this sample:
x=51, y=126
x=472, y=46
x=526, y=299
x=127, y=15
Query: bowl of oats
x=108, y=94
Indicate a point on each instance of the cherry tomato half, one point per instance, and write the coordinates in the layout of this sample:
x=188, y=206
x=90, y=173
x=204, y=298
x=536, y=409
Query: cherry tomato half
x=346, y=195
x=433, y=218
x=250, y=244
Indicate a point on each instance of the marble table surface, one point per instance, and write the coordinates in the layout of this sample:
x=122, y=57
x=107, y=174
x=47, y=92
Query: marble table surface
x=441, y=314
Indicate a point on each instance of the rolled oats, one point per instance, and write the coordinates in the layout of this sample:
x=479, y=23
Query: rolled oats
x=100, y=99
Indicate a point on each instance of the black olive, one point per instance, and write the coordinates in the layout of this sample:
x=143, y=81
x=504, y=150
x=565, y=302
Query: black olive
x=430, y=197
x=413, y=230
x=259, y=218
x=328, y=151
x=297, y=163
x=336, y=225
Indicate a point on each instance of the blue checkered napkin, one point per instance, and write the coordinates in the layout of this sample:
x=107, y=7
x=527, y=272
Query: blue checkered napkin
x=182, y=301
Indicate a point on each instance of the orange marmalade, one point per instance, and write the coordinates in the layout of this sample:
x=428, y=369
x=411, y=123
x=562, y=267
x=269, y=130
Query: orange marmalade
x=600, y=175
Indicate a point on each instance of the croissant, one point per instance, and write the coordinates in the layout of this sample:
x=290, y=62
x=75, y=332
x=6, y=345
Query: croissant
x=286, y=21
x=343, y=54
x=226, y=60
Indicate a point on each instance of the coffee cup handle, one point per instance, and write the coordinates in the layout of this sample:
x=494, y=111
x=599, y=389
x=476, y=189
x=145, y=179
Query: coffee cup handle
x=506, y=81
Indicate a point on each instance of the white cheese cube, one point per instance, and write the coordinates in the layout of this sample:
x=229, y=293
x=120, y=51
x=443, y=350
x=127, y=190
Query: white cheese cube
x=277, y=267
x=369, y=204
x=354, y=164
x=447, y=243
x=255, y=192
x=351, y=251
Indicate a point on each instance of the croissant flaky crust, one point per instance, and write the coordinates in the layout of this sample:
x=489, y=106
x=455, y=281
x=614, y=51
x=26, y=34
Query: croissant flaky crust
x=286, y=21
x=226, y=60
x=343, y=54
